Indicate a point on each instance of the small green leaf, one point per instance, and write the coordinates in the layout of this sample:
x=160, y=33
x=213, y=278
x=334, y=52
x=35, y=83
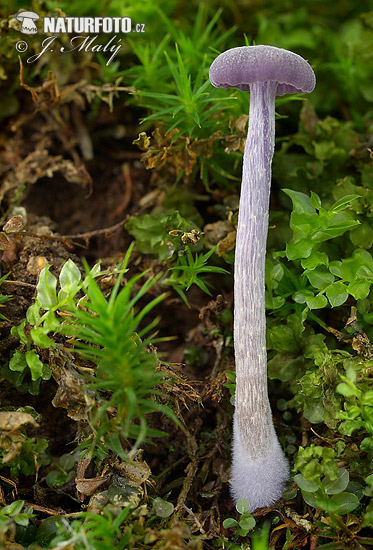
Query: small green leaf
x=35, y=365
x=67, y=462
x=319, y=278
x=301, y=296
x=300, y=249
x=301, y=202
x=367, y=444
x=335, y=268
x=46, y=288
x=40, y=338
x=314, y=411
x=247, y=522
x=282, y=339
x=347, y=390
x=359, y=289
x=305, y=485
x=242, y=505
x=13, y=509
x=33, y=313
x=327, y=504
x=333, y=487
x=315, y=259
x=315, y=200
x=351, y=267
x=285, y=367
x=229, y=523
x=70, y=278
x=50, y=323
x=309, y=498
x=22, y=519
x=18, y=362
x=57, y=479
x=337, y=294
x=316, y=302
x=19, y=332
x=343, y=203
x=345, y=502
x=162, y=508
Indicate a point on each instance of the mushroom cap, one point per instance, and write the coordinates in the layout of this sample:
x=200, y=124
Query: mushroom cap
x=240, y=67
x=27, y=15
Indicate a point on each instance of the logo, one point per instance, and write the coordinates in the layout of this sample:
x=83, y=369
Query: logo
x=28, y=18
x=83, y=28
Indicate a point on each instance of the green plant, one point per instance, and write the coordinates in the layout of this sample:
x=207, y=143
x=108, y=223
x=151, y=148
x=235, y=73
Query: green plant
x=322, y=483
x=63, y=473
x=182, y=98
x=11, y=517
x=358, y=413
x=159, y=233
x=107, y=332
x=188, y=271
x=4, y=297
x=19, y=452
x=94, y=531
x=323, y=280
x=42, y=318
x=246, y=522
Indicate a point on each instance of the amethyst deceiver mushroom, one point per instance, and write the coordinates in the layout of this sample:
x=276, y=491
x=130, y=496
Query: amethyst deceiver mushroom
x=259, y=469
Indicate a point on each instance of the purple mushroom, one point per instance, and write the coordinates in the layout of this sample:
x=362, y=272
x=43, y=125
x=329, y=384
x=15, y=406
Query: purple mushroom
x=260, y=469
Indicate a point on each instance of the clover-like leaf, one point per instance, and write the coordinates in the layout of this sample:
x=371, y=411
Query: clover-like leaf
x=243, y=505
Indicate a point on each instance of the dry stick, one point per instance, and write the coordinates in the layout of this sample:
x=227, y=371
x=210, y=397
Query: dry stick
x=126, y=172
x=18, y=283
x=196, y=520
x=190, y=470
x=49, y=511
x=86, y=236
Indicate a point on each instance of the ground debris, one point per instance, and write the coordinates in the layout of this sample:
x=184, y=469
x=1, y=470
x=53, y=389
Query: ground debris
x=11, y=436
x=72, y=394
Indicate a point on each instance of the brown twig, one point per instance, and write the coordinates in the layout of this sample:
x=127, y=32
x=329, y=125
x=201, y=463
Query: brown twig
x=63, y=238
x=18, y=283
x=126, y=172
x=43, y=509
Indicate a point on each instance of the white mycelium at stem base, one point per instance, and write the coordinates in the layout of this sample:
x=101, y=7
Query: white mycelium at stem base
x=259, y=469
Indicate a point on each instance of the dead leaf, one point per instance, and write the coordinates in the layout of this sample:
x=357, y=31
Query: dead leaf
x=136, y=472
x=217, y=231
x=11, y=437
x=88, y=486
x=72, y=394
x=4, y=241
x=227, y=244
x=13, y=225
x=13, y=421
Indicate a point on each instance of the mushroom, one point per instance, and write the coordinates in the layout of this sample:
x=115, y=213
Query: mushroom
x=259, y=469
x=27, y=19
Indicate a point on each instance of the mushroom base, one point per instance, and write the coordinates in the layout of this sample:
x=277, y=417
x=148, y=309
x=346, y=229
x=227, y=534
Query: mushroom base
x=262, y=480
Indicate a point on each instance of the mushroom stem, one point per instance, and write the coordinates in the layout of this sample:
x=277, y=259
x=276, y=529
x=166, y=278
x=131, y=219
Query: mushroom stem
x=259, y=469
